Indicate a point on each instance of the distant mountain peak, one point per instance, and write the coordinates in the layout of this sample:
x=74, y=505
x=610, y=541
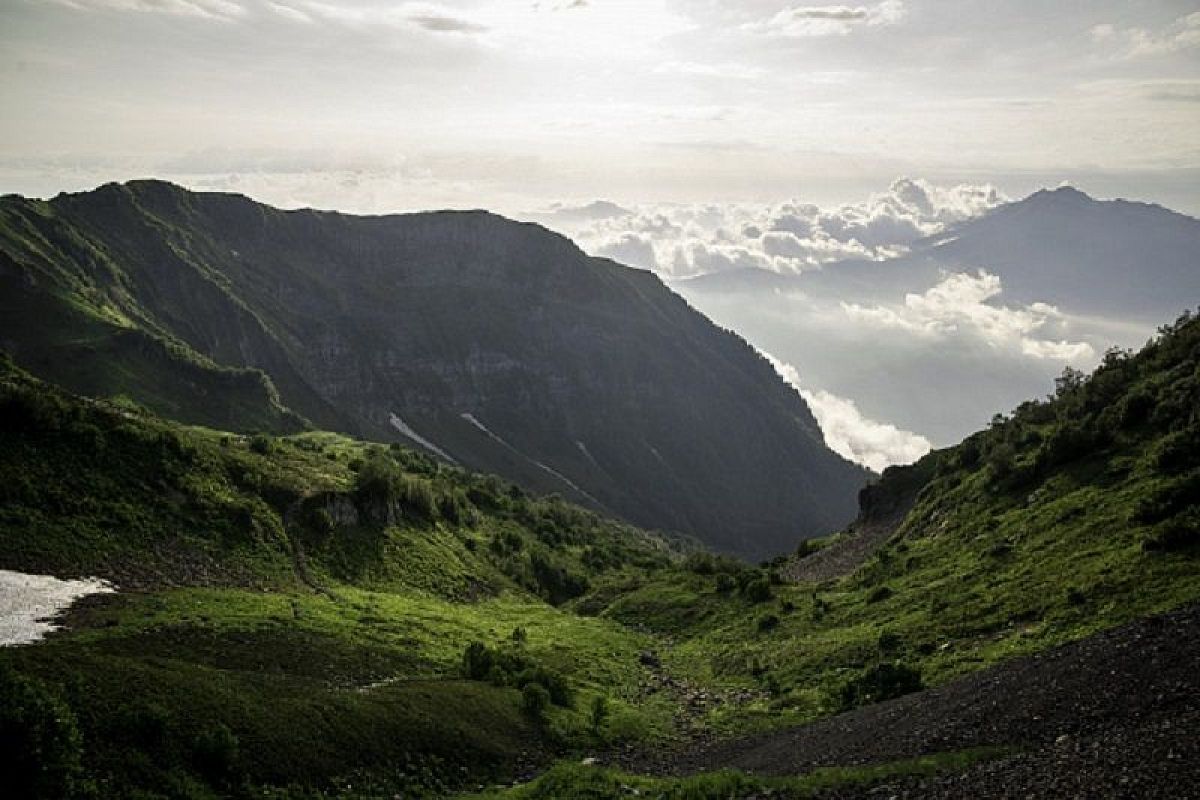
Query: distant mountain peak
x=1061, y=194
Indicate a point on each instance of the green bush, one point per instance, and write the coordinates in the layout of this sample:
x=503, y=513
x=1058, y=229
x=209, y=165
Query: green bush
x=40, y=744
x=262, y=444
x=880, y=682
x=767, y=622
x=598, y=713
x=879, y=594
x=1174, y=535
x=758, y=590
x=535, y=700
x=215, y=754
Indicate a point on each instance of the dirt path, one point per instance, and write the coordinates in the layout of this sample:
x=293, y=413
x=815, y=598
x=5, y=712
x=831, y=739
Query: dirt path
x=1113, y=715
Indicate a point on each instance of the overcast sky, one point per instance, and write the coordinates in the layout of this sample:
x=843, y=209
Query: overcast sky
x=370, y=106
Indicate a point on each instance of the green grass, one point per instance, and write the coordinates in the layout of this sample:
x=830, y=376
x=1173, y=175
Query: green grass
x=294, y=610
x=987, y=565
x=316, y=686
x=583, y=782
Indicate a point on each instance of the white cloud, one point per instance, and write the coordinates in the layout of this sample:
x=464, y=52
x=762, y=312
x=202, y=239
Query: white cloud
x=1182, y=34
x=789, y=237
x=876, y=445
x=210, y=9
x=957, y=306
x=723, y=70
x=810, y=21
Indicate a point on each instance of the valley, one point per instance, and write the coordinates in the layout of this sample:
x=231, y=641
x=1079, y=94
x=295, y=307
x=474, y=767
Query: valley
x=315, y=616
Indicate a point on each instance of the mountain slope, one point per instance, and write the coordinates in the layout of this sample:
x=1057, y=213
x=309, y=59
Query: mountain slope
x=496, y=344
x=1114, y=258
x=1075, y=514
x=289, y=612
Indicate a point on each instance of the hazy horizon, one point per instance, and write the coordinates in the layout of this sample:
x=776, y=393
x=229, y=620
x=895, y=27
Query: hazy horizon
x=366, y=106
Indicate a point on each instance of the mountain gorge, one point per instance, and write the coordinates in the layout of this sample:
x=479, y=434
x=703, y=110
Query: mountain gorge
x=495, y=345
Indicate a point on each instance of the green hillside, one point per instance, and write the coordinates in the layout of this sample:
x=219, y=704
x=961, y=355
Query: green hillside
x=313, y=616
x=499, y=346
x=304, y=602
x=1074, y=514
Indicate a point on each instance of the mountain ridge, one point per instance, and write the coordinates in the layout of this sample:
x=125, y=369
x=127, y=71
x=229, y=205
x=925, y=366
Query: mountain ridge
x=582, y=376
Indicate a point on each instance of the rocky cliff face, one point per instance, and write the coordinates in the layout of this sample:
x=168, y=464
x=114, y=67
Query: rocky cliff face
x=497, y=345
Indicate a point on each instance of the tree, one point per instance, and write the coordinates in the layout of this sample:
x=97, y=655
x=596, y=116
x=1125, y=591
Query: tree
x=1070, y=380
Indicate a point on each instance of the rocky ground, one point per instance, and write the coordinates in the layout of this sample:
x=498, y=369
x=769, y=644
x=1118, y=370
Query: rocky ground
x=844, y=554
x=1114, y=715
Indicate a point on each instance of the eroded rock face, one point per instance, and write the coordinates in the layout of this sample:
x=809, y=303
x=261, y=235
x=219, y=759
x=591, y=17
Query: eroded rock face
x=495, y=344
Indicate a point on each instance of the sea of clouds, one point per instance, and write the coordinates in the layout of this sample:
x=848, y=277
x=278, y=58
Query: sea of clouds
x=788, y=237
x=887, y=376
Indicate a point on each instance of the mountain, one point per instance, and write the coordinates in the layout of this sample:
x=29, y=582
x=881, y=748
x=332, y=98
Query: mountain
x=495, y=345
x=1112, y=258
x=927, y=344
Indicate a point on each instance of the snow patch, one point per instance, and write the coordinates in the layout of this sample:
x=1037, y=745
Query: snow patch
x=28, y=603
x=472, y=419
x=587, y=453
x=407, y=430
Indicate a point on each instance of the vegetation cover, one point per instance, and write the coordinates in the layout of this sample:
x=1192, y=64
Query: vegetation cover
x=314, y=616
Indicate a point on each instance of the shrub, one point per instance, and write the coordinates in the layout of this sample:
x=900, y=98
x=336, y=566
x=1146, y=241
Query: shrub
x=598, y=713
x=535, y=700
x=1174, y=535
x=262, y=444
x=879, y=594
x=878, y=683
x=40, y=745
x=725, y=583
x=767, y=622
x=889, y=642
x=377, y=479
x=1075, y=597
x=477, y=661
x=757, y=590
x=1179, y=451
x=555, y=583
x=1168, y=499
x=418, y=498
x=215, y=754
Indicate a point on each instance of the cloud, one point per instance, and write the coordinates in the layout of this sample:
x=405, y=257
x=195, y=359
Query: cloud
x=442, y=22
x=632, y=249
x=723, y=70
x=787, y=237
x=812, y=21
x=958, y=307
x=876, y=445
x=560, y=5
x=289, y=12
x=1127, y=43
x=223, y=10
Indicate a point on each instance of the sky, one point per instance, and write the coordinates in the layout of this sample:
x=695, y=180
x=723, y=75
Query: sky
x=373, y=106
x=684, y=137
